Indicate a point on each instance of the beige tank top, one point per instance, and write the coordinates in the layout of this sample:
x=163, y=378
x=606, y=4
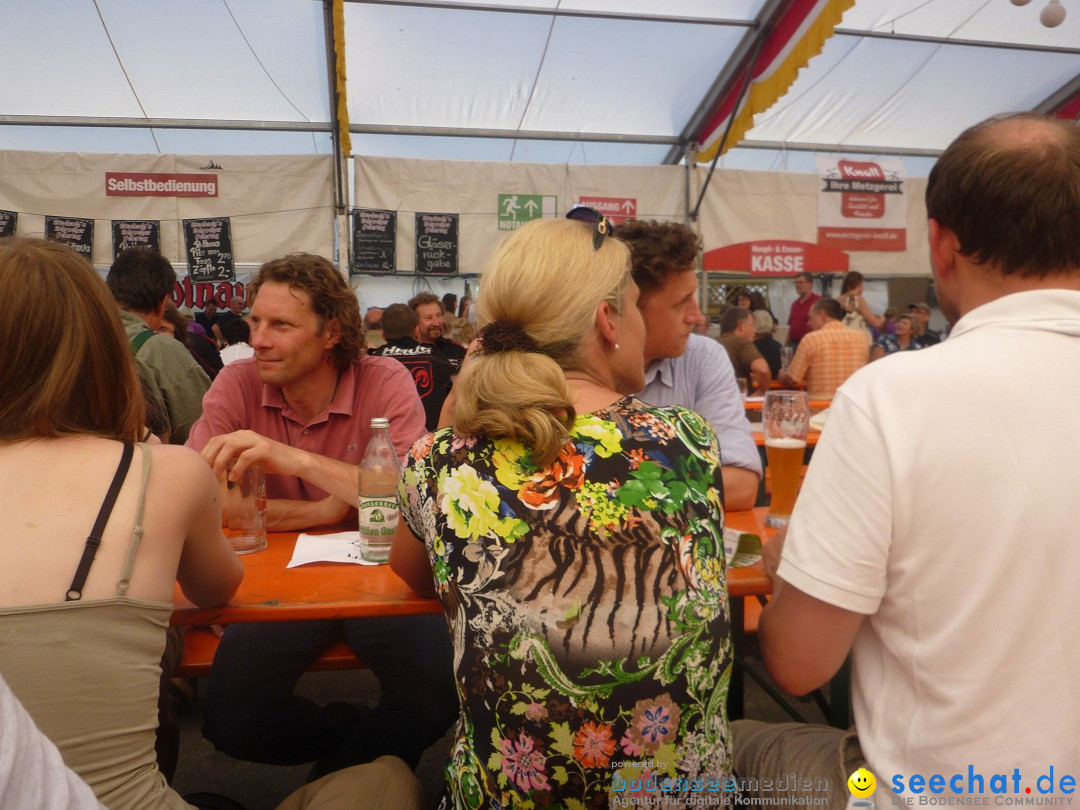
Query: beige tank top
x=88, y=673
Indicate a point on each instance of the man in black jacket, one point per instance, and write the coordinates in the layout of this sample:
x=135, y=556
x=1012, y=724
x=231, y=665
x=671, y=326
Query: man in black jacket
x=430, y=370
x=430, y=329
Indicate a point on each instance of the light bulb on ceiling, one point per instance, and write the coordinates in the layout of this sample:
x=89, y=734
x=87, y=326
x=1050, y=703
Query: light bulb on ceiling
x=1053, y=15
x=1020, y=2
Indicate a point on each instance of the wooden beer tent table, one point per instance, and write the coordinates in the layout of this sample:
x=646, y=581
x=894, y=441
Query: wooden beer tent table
x=271, y=592
x=758, y=403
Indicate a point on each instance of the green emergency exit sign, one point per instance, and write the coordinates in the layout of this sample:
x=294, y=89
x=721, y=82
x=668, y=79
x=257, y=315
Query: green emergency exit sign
x=517, y=209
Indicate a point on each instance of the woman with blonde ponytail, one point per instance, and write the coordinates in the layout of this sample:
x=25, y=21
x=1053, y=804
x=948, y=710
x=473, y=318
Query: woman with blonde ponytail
x=574, y=537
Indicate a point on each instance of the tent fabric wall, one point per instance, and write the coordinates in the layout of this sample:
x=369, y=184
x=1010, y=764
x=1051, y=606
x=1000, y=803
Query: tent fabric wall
x=277, y=205
x=283, y=204
x=470, y=189
x=743, y=206
x=739, y=206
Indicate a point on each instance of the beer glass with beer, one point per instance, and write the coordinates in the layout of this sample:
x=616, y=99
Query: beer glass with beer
x=785, y=420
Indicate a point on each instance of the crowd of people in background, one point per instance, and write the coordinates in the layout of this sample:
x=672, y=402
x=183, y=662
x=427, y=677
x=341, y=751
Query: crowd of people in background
x=434, y=349
x=747, y=329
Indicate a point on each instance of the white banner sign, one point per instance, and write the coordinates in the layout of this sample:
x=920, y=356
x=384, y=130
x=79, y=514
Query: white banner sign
x=861, y=205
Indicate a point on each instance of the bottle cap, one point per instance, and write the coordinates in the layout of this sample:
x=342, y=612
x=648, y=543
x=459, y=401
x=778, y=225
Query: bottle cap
x=380, y=422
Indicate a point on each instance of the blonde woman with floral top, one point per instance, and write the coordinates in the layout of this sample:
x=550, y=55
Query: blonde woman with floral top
x=573, y=535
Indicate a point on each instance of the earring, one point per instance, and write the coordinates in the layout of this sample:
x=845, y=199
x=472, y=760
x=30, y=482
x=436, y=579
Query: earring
x=616, y=347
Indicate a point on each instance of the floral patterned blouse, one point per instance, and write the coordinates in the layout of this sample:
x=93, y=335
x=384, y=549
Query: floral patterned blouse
x=587, y=605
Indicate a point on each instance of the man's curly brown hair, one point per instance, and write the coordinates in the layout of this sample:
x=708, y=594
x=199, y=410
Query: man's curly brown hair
x=331, y=299
x=422, y=298
x=658, y=251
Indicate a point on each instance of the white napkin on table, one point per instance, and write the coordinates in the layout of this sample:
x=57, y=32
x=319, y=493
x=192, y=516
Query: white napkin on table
x=343, y=547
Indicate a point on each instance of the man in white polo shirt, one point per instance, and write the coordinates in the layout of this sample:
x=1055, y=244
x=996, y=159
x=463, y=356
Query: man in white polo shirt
x=935, y=537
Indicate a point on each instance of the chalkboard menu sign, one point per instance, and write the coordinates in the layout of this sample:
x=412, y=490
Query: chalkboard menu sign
x=209, y=249
x=78, y=234
x=135, y=233
x=7, y=223
x=437, y=244
x=374, y=241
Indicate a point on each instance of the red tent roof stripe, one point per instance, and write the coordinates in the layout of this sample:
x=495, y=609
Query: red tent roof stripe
x=787, y=27
x=1070, y=108
x=797, y=36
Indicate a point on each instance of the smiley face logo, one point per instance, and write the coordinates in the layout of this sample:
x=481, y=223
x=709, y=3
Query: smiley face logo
x=862, y=783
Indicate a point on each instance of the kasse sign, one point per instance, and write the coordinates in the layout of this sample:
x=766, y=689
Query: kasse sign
x=777, y=258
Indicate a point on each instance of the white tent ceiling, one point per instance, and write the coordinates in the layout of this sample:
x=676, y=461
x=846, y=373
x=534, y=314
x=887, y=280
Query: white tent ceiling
x=578, y=81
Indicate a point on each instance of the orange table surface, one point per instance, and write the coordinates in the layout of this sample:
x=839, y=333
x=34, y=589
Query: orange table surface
x=757, y=403
x=271, y=592
x=749, y=580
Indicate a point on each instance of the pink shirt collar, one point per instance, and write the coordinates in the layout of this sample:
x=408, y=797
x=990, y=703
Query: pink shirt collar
x=344, y=397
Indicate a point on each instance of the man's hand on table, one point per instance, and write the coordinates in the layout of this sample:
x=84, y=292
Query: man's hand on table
x=293, y=516
x=247, y=447
x=339, y=478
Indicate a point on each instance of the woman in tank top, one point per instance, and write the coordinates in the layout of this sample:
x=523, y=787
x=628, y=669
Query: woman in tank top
x=96, y=529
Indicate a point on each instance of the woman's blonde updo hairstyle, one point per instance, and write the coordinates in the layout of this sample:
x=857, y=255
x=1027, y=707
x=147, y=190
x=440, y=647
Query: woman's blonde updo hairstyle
x=545, y=280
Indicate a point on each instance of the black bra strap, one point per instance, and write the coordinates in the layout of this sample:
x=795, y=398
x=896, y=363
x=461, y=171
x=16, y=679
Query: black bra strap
x=94, y=540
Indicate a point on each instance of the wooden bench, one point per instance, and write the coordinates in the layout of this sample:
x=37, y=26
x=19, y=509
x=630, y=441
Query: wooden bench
x=201, y=643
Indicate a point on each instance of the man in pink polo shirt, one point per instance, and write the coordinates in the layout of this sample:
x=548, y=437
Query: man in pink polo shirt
x=303, y=408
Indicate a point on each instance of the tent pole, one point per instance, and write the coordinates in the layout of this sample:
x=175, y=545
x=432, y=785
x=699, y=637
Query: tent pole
x=731, y=120
x=690, y=151
x=341, y=240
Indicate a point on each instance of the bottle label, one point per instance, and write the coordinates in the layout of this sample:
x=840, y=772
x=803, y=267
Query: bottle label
x=378, y=517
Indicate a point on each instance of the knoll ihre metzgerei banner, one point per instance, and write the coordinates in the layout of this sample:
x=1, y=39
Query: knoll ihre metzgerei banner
x=861, y=205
